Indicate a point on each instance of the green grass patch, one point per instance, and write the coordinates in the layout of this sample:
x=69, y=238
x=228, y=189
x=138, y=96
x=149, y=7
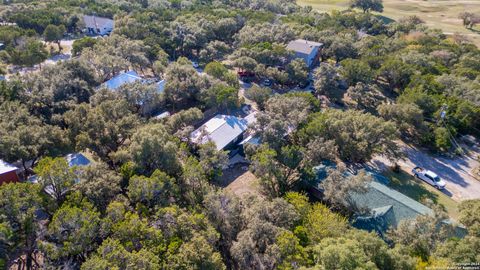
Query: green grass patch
x=436, y=13
x=405, y=7
x=420, y=191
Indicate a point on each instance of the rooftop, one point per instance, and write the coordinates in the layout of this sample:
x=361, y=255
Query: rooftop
x=387, y=207
x=303, y=46
x=77, y=159
x=161, y=86
x=221, y=129
x=162, y=115
x=390, y=204
x=6, y=167
x=95, y=21
x=121, y=79
x=251, y=118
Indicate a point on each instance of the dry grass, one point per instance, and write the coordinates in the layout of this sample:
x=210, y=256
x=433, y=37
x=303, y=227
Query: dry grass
x=244, y=185
x=441, y=14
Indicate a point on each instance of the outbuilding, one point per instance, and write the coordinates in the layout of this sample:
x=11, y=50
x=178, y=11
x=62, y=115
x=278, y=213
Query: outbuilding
x=8, y=173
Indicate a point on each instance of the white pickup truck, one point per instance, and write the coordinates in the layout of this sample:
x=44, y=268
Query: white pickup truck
x=429, y=177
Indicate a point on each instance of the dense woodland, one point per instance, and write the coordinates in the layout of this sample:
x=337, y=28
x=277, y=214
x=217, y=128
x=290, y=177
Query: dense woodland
x=151, y=200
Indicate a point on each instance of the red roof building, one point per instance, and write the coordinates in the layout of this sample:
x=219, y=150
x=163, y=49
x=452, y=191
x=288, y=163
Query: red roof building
x=8, y=173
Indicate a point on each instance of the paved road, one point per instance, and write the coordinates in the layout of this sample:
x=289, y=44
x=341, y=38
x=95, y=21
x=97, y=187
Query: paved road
x=457, y=172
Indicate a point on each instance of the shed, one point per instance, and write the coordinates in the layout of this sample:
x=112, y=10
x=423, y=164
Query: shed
x=8, y=173
x=161, y=115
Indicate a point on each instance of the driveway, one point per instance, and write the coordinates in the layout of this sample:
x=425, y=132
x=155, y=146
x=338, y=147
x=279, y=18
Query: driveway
x=456, y=172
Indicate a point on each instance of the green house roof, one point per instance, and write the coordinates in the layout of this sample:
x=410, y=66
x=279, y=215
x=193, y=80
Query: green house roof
x=386, y=207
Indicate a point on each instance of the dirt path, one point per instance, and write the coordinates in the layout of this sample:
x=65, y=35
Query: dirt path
x=457, y=172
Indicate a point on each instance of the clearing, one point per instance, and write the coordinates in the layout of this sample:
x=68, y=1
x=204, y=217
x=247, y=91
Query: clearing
x=239, y=180
x=439, y=14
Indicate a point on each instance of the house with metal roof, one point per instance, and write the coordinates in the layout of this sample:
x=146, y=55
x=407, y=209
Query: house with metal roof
x=223, y=130
x=8, y=173
x=121, y=79
x=98, y=25
x=307, y=50
x=77, y=159
x=131, y=77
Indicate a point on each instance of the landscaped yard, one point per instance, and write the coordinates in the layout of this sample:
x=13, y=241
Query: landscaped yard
x=436, y=13
x=421, y=191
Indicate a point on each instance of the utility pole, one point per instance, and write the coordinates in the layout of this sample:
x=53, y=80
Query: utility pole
x=443, y=115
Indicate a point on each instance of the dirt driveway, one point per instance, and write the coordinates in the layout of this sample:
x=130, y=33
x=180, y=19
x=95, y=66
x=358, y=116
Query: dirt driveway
x=457, y=172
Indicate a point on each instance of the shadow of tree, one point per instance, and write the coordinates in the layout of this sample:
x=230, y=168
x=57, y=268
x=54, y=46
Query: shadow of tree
x=411, y=187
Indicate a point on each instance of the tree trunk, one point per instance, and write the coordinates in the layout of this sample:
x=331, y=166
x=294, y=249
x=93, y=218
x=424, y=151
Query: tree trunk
x=24, y=170
x=28, y=255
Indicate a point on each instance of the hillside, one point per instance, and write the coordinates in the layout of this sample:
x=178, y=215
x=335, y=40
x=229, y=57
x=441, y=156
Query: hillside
x=436, y=13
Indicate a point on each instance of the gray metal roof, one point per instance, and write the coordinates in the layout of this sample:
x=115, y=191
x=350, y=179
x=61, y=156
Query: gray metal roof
x=96, y=22
x=221, y=129
x=303, y=46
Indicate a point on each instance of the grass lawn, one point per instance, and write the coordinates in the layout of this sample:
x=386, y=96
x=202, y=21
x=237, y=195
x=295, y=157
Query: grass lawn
x=440, y=14
x=420, y=191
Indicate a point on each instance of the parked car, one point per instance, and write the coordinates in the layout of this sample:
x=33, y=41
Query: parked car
x=429, y=177
x=267, y=82
x=195, y=64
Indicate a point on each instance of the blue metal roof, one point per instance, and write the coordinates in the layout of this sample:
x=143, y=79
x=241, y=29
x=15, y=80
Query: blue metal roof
x=77, y=159
x=161, y=86
x=121, y=79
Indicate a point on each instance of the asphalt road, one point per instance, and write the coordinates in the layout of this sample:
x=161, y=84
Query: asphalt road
x=456, y=172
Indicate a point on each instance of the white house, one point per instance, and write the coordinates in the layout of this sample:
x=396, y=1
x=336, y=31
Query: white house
x=223, y=130
x=98, y=25
x=309, y=51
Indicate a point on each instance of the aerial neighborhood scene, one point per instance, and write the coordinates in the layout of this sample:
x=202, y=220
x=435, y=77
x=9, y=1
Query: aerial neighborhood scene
x=251, y=134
